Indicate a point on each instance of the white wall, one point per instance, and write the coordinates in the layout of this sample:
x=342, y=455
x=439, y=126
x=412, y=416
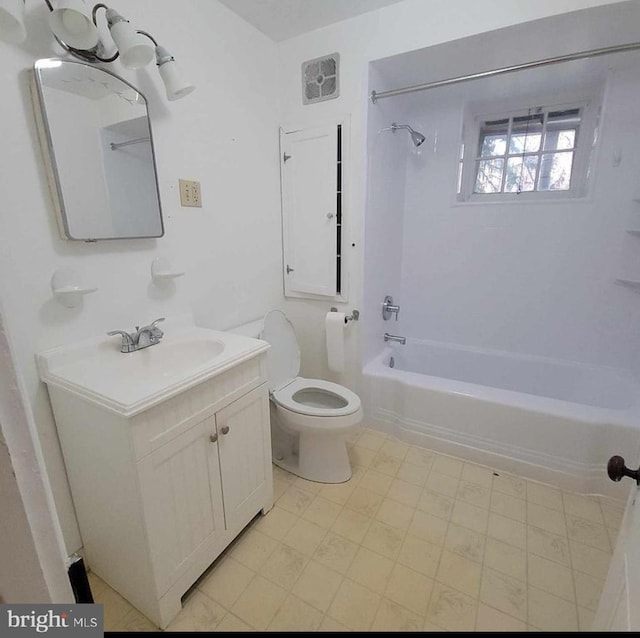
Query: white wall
x=406, y=26
x=225, y=135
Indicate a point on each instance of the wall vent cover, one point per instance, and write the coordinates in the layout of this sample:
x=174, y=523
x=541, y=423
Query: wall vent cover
x=320, y=79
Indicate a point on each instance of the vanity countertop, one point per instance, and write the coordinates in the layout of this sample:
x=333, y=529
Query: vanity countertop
x=128, y=383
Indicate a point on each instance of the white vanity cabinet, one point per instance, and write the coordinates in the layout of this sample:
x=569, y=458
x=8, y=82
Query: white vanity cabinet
x=208, y=482
x=161, y=488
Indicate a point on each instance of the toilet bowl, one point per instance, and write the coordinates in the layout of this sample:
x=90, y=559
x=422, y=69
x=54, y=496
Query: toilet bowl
x=310, y=417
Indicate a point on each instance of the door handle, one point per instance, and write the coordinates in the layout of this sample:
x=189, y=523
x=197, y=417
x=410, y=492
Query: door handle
x=224, y=429
x=289, y=269
x=213, y=437
x=616, y=469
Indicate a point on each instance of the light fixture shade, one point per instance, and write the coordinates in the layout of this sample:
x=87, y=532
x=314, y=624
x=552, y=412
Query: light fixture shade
x=70, y=22
x=12, y=21
x=176, y=86
x=135, y=51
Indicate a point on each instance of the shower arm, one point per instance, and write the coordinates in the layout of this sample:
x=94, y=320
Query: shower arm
x=395, y=127
x=416, y=137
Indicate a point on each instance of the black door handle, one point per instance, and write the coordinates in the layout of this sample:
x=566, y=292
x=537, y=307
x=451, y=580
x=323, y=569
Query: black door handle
x=616, y=469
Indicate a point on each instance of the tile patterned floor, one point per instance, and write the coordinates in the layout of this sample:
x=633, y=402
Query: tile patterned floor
x=414, y=541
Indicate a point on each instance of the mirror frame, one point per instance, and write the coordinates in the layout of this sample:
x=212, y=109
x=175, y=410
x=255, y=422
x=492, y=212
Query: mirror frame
x=48, y=152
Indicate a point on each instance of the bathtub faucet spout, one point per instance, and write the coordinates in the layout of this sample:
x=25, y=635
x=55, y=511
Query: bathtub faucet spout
x=388, y=337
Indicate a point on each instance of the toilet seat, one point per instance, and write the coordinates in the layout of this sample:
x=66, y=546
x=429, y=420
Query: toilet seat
x=310, y=397
x=286, y=397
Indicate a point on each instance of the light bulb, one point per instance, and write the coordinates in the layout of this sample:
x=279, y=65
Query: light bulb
x=73, y=22
x=72, y=25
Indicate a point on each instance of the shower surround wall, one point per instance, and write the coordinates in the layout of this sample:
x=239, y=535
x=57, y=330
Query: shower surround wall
x=528, y=277
x=387, y=151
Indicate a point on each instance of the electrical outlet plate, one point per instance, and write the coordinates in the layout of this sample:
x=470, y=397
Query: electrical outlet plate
x=190, y=193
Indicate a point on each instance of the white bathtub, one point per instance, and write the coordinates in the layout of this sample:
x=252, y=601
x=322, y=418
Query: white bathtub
x=548, y=420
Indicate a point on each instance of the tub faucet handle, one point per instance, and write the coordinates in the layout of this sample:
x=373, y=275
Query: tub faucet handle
x=389, y=309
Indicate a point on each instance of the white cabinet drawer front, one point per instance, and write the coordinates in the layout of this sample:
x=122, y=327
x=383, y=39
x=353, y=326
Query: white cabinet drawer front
x=158, y=425
x=181, y=500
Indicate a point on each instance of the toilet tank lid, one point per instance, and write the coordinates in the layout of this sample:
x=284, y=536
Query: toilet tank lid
x=283, y=358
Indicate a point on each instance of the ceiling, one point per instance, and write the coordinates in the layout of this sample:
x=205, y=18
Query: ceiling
x=283, y=19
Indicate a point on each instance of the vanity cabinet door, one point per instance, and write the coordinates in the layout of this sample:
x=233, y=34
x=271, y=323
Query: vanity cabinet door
x=245, y=457
x=182, y=500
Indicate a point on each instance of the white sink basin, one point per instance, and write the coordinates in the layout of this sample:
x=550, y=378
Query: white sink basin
x=128, y=383
x=169, y=358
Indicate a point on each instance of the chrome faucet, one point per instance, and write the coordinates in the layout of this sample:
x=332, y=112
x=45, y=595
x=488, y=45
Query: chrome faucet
x=148, y=335
x=388, y=337
x=388, y=308
x=141, y=338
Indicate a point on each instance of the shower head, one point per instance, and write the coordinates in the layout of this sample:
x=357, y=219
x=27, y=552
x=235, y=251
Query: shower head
x=416, y=138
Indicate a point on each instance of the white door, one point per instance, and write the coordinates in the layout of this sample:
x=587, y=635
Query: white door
x=309, y=170
x=619, y=608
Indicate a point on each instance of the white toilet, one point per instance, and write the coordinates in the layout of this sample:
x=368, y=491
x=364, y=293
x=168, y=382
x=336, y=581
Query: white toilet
x=310, y=418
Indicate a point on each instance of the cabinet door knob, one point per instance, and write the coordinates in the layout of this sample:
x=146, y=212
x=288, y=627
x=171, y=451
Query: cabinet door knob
x=213, y=437
x=224, y=429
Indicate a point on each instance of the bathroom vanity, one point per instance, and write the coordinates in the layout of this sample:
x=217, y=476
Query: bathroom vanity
x=168, y=455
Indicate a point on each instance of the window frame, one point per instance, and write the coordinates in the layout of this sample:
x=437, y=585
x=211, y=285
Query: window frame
x=475, y=118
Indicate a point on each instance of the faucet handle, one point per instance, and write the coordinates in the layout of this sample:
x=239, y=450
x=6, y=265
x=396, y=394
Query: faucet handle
x=155, y=331
x=127, y=344
x=125, y=335
x=388, y=308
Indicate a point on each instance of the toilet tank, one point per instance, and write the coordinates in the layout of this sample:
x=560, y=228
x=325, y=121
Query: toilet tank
x=251, y=329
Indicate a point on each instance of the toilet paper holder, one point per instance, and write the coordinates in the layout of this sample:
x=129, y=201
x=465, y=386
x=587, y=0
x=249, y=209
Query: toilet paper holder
x=354, y=316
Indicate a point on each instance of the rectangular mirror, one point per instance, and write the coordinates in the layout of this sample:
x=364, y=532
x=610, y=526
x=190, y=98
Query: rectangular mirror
x=98, y=150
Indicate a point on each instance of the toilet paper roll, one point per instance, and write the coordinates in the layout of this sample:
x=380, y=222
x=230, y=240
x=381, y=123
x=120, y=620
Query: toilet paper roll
x=334, y=325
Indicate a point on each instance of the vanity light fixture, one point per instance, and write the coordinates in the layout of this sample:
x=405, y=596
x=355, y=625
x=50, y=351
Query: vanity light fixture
x=77, y=33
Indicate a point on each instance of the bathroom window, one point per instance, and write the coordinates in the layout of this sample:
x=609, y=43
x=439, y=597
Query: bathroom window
x=531, y=153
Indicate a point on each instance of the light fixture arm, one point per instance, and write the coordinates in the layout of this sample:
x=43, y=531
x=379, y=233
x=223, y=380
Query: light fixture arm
x=148, y=35
x=94, y=13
